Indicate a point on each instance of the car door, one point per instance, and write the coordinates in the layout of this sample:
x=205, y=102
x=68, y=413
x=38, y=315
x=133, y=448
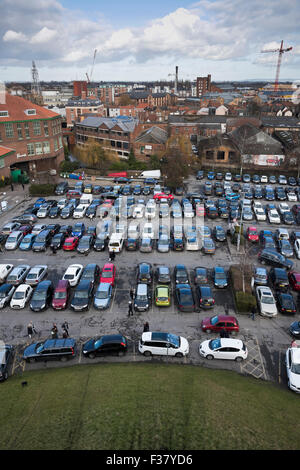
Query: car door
x=219, y=326
x=222, y=353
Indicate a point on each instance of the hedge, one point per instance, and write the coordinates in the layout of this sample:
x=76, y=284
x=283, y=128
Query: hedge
x=42, y=189
x=244, y=301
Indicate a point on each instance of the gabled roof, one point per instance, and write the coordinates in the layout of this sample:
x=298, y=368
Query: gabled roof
x=17, y=106
x=251, y=140
x=153, y=135
x=5, y=151
x=124, y=123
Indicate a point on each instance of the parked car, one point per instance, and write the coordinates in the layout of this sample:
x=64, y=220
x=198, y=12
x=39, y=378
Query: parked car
x=57, y=241
x=61, y=295
x=292, y=361
x=142, y=298
x=5, y=269
x=21, y=296
x=51, y=349
x=285, y=303
x=266, y=301
x=162, y=295
x=184, y=297
x=78, y=230
x=219, y=323
x=252, y=234
x=146, y=245
x=219, y=277
x=294, y=280
x=260, y=276
x=7, y=352
x=219, y=233
x=224, y=348
x=13, y=240
x=18, y=274
x=6, y=293
x=91, y=273
x=27, y=242
x=294, y=329
x=105, y=345
x=36, y=274
x=163, y=344
x=70, y=243
x=205, y=296
x=274, y=258
x=163, y=275
x=73, y=274
x=42, y=296
x=103, y=296
x=144, y=273
x=85, y=244
x=285, y=248
x=83, y=295
x=42, y=241
x=108, y=274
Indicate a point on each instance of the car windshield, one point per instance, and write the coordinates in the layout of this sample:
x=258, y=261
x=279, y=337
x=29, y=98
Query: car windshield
x=174, y=339
x=214, y=320
x=267, y=299
x=101, y=294
x=220, y=276
x=19, y=295
x=81, y=294
x=107, y=274
x=38, y=295
x=60, y=295
x=69, y=276
x=295, y=368
x=32, y=276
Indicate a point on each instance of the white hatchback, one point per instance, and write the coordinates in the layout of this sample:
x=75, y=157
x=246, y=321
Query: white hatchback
x=21, y=296
x=274, y=217
x=224, y=348
x=292, y=362
x=73, y=274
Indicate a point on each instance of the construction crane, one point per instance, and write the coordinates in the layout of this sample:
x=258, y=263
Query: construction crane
x=280, y=51
x=89, y=78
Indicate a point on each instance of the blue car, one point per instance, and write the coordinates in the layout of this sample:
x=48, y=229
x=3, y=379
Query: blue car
x=211, y=175
x=219, y=277
x=27, y=242
x=231, y=196
x=39, y=202
x=78, y=230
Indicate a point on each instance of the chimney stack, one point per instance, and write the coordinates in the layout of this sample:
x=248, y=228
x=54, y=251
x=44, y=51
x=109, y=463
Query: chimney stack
x=176, y=79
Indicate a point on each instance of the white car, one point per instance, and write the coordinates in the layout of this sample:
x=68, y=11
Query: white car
x=150, y=211
x=79, y=211
x=283, y=207
x=5, y=269
x=148, y=231
x=297, y=248
x=38, y=228
x=192, y=241
x=188, y=211
x=292, y=197
x=266, y=302
x=264, y=179
x=292, y=362
x=43, y=212
x=157, y=189
x=62, y=203
x=274, y=217
x=228, y=176
x=163, y=344
x=260, y=213
x=224, y=348
x=257, y=205
x=138, y=211
x=36, y=274
x=73, y=274
x=21, y=296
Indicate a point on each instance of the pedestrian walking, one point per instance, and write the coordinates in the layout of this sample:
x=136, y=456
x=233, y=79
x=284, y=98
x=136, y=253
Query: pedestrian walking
x=54, y=331
x=23, y=186
x=30, y=329
x=131, y=293
x=11, y=186
x=146, y=327
x=53, y=248
x=65, y=326
x=112, y=256
x=65, y=334
x=253, y=312
x=130, y=309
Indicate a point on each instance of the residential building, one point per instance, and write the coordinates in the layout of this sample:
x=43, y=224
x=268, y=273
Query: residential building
x=76, y=108
x=150, y=142
x=203, y=85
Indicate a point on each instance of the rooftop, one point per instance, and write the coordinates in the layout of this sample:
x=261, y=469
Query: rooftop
x=20, y=109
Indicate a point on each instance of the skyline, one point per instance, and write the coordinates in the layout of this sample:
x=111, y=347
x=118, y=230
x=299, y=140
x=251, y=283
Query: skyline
x=145, y=43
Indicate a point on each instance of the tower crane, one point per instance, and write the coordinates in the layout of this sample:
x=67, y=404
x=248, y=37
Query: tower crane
x=280, y=51
x=89, y=78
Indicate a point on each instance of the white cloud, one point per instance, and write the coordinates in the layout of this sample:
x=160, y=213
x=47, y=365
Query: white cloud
x=13, y=36
x=43, y=36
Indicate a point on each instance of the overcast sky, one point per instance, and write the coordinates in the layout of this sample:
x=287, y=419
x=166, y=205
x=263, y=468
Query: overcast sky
x=145, y=40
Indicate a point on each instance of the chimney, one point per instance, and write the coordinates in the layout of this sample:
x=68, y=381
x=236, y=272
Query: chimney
x=176, y=79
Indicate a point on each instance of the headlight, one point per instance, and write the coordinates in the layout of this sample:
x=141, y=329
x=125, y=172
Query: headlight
x=295, y=332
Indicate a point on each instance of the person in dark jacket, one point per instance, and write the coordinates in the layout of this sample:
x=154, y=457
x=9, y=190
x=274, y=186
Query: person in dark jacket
x=146, y=327
x=130, y=308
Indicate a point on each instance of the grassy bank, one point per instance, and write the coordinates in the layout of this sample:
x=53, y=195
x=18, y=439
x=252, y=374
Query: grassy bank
x=146, y=406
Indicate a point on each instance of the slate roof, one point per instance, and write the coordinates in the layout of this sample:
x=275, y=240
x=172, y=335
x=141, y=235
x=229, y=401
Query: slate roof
x=153, y=135
x=125, y=123
x=251, y=140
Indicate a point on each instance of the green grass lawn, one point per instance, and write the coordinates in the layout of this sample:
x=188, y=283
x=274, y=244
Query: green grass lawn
x=146, y=406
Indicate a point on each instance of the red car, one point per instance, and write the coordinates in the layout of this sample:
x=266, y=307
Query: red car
x=25, y=229
x=108, y=273
x=252, y=234
x=219, y=323
x=61, y=295
x=160, y=196
x=294, y=279
x=70, y=243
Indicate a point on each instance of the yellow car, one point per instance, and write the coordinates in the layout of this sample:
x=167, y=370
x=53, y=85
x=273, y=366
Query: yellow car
x=162, y=296
x=88, y=188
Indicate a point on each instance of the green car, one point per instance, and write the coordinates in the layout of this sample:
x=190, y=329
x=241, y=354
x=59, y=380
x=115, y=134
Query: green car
x=162, y=296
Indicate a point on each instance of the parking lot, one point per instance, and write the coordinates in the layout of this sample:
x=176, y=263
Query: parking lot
x=266, y=339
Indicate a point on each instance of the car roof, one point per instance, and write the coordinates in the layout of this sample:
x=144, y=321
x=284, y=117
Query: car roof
x=43, y=284
x=295, y=355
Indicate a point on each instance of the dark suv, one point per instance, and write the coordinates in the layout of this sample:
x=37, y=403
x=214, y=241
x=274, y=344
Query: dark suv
x=61, y=188
x=144, y=273
x=205, y=297
x=51, y=349
x=6, y=357
x=42, y=296
x=103, y=345
x=279, y=279
x=274, y=258
x=42, y=240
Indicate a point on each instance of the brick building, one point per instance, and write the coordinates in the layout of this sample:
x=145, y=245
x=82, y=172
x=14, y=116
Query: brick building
x=76, y=108
x=203, y=85
x=30, y=137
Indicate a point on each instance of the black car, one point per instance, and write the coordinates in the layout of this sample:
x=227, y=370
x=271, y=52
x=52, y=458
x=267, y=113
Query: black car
x=53, y=228
x=137, y=190
x=285, y=303
x=66, y=230
x=258, y=193
x=85, y=244
x=288, y=218
x=31, y=210
x=6, y=358
x=292, y=181
x=294, y=329
x=163, y=275
x=179, y=191
x=67, y=212
x=295, y=235
x=255, y=179
x=42, y=241
x=57, y=241
x=212, y=212
x=200, y=275
x=144, y=273
x=83, y=295
x=91, y=211
x=180, y=274
x=142, y=297
x=279, y=279
x=223, y=213
x=185, y=298
x=51, y=349
x=200, y=175
x=6, y=292
x=131, y=244
x=146, y=190
x=205, y=297
x=54, y=212
x=100, y=242
x=97, y=189
x=274, y=258
x=91, y=273
x=61, y=188
x=219, y=233
x=105, y=345
x=178, y=244
x=42, y=296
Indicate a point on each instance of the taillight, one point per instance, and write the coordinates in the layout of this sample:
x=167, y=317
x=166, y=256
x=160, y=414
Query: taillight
x=122, y=344
x=72, y=351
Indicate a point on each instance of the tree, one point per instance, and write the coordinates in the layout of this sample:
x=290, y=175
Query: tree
x=94, y=155
x=131, y=159
x=177, y=161
x=125, y=100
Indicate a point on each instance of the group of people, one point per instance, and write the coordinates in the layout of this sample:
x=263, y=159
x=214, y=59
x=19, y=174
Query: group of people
x=31, y=330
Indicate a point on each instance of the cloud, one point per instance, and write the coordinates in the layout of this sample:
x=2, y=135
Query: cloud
x=43, y=36
x=13, y=36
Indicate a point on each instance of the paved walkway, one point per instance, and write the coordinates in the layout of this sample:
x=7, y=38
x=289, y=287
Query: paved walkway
x=12, y=198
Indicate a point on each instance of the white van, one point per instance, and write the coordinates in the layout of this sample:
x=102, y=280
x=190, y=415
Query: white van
x=116, y=242
x=150, y=211
x=86, y=199
x=163, y=344
x=133, y=230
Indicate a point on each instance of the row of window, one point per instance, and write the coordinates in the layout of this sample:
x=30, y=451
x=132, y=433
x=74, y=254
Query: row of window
x=40, y=148
x=23, y=129
x=113, y=143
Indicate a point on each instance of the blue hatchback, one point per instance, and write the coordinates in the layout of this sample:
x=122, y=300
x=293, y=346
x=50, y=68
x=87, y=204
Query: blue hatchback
x=78, y=230
x=211, y=175
x=27, y=242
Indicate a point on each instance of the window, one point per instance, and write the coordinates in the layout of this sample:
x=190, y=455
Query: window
x=209, y=155
x=0, y=137
x=220, y=155
x=60, y=142
x=30, y=112
x=232, y=155
x=46, y=129
x=19, y=130
x=3, y=113
x=30, y=149
x=26, y=125
x=2, y=165
x=36, y=128
x=9, y=130
x=55, y=145
x=38, y=148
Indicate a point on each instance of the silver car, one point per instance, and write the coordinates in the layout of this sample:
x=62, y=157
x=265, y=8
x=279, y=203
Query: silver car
x=163, y=244
x=103, y=296
x=146, y=245
x=14, y=240
x=36, y=274
x=18, y=274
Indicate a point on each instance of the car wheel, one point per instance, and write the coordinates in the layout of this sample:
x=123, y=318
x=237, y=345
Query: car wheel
x=239, y=359
x=92, y=355
x=209, y=357
x=63, y=358
x=178, y=355
x=32, y=360
x=147, y=353
x=262, y=261
x=208, y=331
